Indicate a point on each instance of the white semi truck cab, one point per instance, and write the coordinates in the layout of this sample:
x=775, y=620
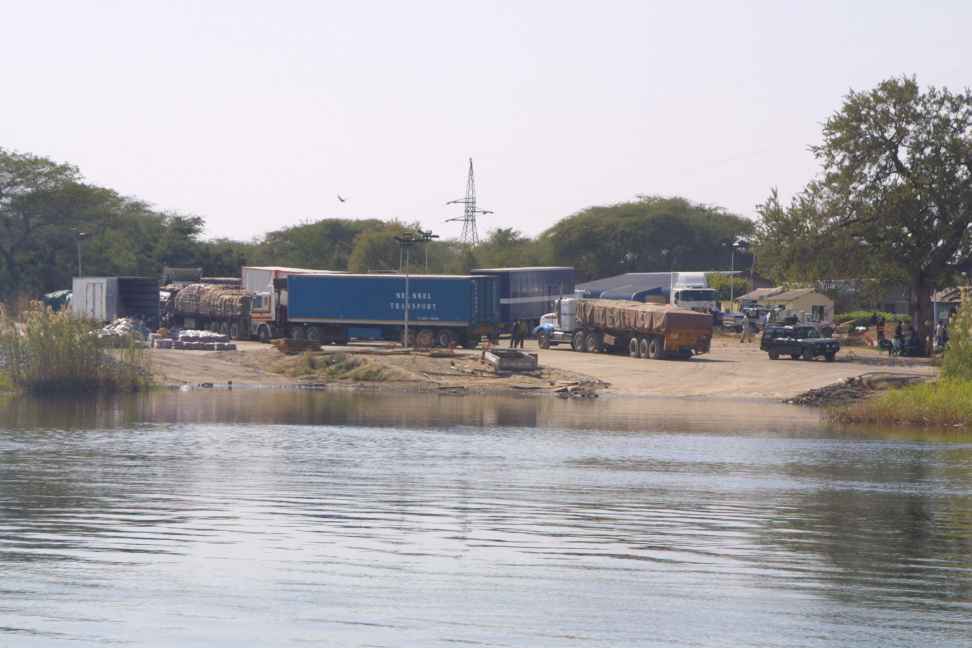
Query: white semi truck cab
x=691, y=290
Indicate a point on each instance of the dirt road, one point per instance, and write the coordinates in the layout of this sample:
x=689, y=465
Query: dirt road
x=731, y=370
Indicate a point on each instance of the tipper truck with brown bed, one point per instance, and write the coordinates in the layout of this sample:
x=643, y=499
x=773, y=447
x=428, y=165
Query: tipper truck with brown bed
x=638, y=329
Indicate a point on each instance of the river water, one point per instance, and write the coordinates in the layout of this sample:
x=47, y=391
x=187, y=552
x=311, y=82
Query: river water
x=353, y=519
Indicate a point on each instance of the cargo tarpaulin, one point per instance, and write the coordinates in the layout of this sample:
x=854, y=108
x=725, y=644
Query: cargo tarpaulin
x=636, y=316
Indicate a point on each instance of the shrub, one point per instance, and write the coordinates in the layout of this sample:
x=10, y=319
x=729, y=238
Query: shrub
x=45, y=352
x=957, y=363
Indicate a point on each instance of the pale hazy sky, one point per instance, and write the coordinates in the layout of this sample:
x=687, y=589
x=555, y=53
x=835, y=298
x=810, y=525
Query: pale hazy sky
x=254, y=115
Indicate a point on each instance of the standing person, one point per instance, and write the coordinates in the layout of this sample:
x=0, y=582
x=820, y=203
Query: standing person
x=747, y=332
x=514, y=333
x=522, y=334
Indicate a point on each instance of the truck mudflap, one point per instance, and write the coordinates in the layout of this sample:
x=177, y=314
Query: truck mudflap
x=687, y=341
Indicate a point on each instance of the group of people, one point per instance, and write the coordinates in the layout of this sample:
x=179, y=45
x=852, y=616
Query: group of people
x=518, y=334
x=907, y=341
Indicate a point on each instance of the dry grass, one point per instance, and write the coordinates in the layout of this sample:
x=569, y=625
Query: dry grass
x=947, y=402
x=53, y=353
x=339, y=366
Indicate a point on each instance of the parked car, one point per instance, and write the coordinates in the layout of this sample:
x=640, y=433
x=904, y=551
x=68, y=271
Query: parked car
x=732, y=322
x=798, y=342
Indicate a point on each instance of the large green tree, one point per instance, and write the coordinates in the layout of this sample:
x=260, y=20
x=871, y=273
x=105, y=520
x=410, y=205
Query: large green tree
x=651, y=234
x=894, y=197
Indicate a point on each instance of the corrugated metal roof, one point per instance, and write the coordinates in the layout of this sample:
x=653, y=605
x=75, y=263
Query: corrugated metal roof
x=793, y=295
x=521, y=269
x=760, y=293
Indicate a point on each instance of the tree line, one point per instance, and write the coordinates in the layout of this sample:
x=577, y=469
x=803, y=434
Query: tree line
x=47, y=209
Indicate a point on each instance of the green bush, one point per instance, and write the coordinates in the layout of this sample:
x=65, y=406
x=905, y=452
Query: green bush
x=43, y=352
x=957, y=363
x=864, y=317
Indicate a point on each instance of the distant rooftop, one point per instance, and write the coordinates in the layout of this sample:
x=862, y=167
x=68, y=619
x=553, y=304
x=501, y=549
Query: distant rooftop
x=760, y=293
x=521, y=269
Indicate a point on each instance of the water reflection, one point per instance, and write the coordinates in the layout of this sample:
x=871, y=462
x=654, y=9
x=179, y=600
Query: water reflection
x=362, y=519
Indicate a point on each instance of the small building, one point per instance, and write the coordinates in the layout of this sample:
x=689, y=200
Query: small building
x=816, y=306
x=947, y=300
x=755, y=296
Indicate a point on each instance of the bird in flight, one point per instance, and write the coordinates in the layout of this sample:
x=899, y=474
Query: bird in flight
x=341, y=198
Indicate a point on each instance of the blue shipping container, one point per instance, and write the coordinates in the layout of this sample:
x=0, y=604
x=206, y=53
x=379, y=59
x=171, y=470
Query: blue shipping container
x=530, y=293
x=457, y=301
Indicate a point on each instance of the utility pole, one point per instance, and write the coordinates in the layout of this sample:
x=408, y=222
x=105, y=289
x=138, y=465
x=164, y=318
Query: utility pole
x=468, y=219
x=406, y=242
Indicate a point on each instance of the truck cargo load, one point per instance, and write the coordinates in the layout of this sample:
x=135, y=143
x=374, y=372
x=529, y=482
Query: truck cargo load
x=223, y=309
x=442, y=308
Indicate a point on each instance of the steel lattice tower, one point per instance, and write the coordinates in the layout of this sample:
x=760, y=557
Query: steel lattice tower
x=469, y=234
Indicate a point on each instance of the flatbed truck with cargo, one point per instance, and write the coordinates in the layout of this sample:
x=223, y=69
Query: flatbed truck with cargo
x=638, y=329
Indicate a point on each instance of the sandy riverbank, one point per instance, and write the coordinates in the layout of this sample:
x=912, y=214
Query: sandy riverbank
x=731, y=370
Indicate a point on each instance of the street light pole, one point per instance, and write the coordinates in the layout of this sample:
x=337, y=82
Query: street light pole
x=81, y=235
x=407, y=241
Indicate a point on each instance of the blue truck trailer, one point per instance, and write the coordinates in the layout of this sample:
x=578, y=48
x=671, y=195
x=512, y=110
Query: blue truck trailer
x=443, y=309
x=529, y=293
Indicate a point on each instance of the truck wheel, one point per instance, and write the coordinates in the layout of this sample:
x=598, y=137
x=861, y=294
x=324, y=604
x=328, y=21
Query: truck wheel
x=234, y=331
x=633, y=347
x=298, y=334
x=263, y=333
x=774, y=355
x=655, y=348
x=313, y=334
x=807, y=354
x=593, y=343
x=643, y=348
x=577, y=343
x=829, y=357
x=795, y=356
x=410, y=342
x=425, y=338
x=444, y=338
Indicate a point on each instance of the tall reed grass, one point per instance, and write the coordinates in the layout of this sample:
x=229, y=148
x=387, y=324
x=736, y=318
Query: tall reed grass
x=946, y=402
x=43, y=352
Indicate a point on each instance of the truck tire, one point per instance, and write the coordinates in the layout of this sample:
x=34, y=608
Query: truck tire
x=655, y=346
x=577, y=342
x=263, y=333
x=807, y=354
x=410, y=342
x=234, y=331
x=297, y=334
x=829, y=357
x=774, y=355
x=593, y=343
x=444, y=338
x=313, y=334
x=425, y=339
x=794, y=356
x=633, y=347
x=643, y=347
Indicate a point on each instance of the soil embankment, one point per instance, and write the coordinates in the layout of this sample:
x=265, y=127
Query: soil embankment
x=731, y=370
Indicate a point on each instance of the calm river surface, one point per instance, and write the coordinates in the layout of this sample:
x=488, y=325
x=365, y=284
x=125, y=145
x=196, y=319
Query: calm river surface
x=276, y=518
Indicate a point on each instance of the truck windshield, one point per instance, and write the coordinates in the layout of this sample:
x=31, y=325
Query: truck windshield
x=696, y=295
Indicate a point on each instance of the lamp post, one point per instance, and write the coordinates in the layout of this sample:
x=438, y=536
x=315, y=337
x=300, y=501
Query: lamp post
x=733, y=246
x=407, y=241
x=81, y=236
